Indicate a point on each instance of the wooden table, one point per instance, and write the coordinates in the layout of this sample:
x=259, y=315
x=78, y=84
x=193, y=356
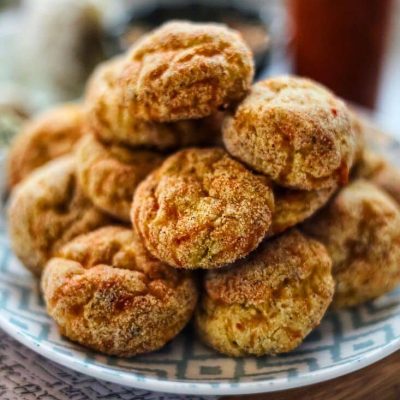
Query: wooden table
x=380, y=381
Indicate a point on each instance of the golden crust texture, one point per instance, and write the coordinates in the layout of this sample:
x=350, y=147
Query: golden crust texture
x=294, y=206
x=109, y=174
x=47, y=210
x=374, y=168
x=269, y=302
x=106, y=292
x=186, y=70
x=202, y=209
x=361, y=230
x=114, y=122
x=50, y=135
x=294, y=131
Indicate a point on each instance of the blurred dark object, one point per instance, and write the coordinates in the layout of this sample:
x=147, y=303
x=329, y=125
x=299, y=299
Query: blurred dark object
x=251, y=23
x=341, y=44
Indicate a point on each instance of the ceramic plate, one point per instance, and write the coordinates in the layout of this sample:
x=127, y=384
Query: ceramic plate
x=344, y=342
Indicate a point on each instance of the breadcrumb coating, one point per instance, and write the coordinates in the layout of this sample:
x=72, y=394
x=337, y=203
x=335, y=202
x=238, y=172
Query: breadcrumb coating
x=185, y=70
x=269, y=302
x=361, y=230
x=114, y=121
x=374, y=168
x=109, y=174
x=294, y=206
x=202, y=209
x=48, y=136
x=106, y=292
x=47, y=210
x=294, y=131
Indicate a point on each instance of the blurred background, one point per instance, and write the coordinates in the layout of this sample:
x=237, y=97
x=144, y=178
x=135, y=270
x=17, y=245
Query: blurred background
x=48, y=48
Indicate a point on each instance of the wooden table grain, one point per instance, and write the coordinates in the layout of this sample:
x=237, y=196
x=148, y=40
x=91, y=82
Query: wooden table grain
x=380, y=381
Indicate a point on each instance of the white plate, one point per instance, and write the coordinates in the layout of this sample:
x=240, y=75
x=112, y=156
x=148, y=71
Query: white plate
x=344, y=342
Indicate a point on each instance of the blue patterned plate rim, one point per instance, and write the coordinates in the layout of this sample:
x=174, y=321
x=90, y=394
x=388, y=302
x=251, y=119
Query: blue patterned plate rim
x=199, y=388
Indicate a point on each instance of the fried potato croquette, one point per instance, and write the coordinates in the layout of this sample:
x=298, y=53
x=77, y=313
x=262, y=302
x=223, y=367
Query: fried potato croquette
x=294, y=131
x=47, y=210
x=269, y=302
x=113, y=122
x=202, y=209
x=361, y=231
x=294, y=206
x=109, y=174
x=185, y=70
x=106, y=292
x=50, y=135
x=374, y=168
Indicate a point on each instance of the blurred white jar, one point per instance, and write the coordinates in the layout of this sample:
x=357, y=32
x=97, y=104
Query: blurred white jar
x=59, y=43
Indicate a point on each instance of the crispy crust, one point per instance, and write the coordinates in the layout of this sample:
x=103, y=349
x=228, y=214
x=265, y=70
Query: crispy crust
x=268, y=302
x=50, y=135
x=109, y=174
x=186, y=70
x=106, y=292
x=361, y=230
x=202, y=209
x=114, y=122
x=294, y=206
x=294, y=131
x=47, y=210
x=373, y=167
